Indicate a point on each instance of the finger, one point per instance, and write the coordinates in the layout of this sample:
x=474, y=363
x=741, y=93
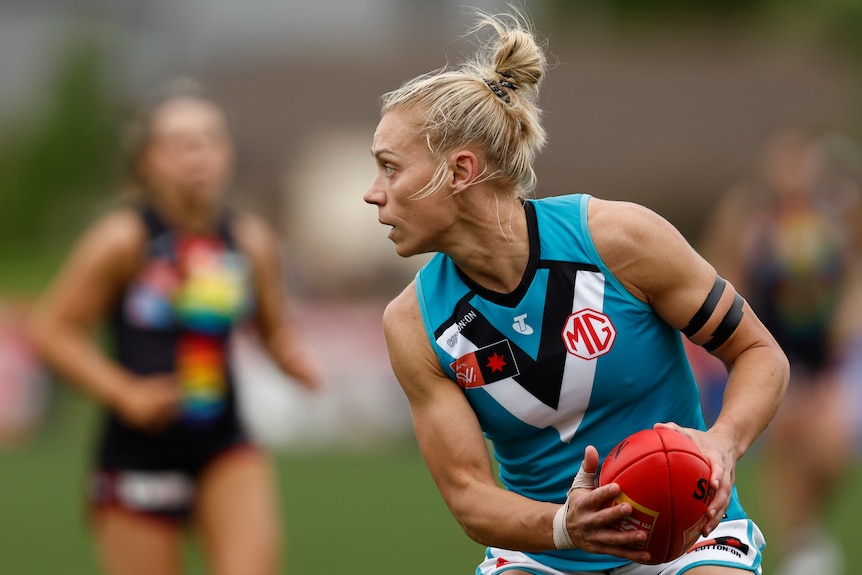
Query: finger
x=612, y=515
x=667, y=425
x=619, y=538
x=591, y=459
x=586, y=476
x=583, y=501
x=716, y=511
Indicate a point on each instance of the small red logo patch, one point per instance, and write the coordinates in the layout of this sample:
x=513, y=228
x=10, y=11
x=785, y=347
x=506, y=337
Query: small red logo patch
x=589, y=334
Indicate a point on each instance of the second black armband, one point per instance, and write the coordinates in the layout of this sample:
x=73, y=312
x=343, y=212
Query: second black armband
x=728, y=324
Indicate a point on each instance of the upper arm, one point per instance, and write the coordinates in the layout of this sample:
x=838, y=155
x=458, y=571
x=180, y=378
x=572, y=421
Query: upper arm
x=656, y=264
x=259, y=243
x=96, y=271
x=446, y=427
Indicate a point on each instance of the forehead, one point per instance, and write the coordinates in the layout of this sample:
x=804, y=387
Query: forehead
x=184, y=115
x=398, y=133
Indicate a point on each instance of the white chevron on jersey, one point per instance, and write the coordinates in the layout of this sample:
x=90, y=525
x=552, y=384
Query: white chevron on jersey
x=578, y=374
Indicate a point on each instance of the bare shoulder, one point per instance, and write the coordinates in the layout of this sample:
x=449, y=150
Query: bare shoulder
x=254, y=235
x=102, y=261
x=413, y=359
x=402, y=313
x=117, y=237
x=641, y=248
x=616, y=225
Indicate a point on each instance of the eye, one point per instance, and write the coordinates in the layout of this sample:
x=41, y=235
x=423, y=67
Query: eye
x=388, y=169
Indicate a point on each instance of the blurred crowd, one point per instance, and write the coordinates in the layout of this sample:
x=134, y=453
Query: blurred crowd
x=790, y=240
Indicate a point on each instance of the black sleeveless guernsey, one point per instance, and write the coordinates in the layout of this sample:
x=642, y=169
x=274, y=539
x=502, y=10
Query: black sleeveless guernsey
x=176, y=317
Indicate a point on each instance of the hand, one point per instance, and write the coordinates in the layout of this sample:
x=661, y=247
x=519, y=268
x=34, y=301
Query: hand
x=591, y=518
x=149, y=403
x=721, y=454
x=306, y=369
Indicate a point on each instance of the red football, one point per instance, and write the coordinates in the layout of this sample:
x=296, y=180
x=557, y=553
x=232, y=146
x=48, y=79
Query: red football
x=665, y=478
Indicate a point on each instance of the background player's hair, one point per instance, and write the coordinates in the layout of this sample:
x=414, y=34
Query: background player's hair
x=490, y=101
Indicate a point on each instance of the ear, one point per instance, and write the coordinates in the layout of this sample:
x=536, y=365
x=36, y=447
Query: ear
x=465, y=169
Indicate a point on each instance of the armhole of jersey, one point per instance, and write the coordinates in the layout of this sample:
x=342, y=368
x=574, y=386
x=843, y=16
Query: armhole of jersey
x=225, y=227
x=420, y=297
x=426, y=320
x=591, y=247
x=148, y=217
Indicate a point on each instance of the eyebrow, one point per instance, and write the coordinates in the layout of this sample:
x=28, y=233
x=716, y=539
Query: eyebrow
x=381, y=151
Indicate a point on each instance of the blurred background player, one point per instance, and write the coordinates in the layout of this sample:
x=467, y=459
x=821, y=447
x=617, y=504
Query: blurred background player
x=552, y=327
x=172, y=273
x=784, y=240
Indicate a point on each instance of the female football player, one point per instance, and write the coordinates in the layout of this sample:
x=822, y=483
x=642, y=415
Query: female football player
x=552, y=328
x=171, y=274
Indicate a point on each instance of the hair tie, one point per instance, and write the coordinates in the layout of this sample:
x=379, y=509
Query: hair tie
x=507, y=83
x=498, y=92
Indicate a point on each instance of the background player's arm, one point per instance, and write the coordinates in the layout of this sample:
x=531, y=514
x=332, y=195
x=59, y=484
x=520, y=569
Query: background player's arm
x=272, y=314
x=657, y=264
x=65, y=318
x=456, y=454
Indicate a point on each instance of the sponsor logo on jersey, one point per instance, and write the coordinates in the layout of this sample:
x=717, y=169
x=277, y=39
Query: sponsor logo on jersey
x=486, y=365
x=521, y=326
x=588, y=334
x=468, y=317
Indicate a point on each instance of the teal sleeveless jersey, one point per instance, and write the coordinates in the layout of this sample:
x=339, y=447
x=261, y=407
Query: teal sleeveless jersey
x=569, y=359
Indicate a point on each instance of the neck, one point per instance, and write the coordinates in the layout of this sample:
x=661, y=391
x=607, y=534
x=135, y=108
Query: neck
x=495, y=255
x=186, y=213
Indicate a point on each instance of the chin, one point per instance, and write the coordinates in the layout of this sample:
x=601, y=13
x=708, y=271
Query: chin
x=406, y=251
x=403, y=251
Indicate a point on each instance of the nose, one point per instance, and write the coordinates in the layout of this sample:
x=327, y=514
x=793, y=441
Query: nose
x=374, y=195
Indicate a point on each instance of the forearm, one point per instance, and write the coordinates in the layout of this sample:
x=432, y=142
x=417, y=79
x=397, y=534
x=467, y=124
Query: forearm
x=283, y=347
x=755, y=387
x=496, y=517
x=78, y=359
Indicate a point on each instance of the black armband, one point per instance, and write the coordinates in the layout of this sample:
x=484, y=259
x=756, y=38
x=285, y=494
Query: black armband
x=705, y=312
x=728, y=325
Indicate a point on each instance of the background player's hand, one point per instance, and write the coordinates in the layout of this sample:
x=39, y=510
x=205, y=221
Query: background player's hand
x=591, y=517
x=306, y=369
x=722, y=456
x=149, y=403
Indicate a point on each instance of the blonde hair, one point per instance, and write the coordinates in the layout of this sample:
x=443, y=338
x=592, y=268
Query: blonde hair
x=490, y=101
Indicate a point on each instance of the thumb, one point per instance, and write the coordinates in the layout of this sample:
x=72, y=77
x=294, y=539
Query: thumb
x=591, y=459
x=587, y=474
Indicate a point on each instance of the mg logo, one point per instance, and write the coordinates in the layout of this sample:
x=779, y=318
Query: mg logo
x=589, y=334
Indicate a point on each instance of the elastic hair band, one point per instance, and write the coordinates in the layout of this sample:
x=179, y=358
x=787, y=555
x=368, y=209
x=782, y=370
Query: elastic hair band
x=728, y=325
x=705, y=312
x=498, y=91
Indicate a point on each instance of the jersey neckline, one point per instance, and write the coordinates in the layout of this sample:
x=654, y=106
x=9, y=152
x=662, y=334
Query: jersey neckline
x=514, y=297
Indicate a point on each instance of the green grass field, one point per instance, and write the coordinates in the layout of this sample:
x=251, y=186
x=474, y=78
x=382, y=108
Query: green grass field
x=374, y=512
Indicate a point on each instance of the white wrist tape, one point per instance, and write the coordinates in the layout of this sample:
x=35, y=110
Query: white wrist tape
x=562, y=539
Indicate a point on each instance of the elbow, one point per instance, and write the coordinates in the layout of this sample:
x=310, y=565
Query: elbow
x=784, y=371
x=474, y=530
x=466, y=520
x=471, y=520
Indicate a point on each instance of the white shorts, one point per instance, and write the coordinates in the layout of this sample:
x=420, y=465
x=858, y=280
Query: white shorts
x=737, y=543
